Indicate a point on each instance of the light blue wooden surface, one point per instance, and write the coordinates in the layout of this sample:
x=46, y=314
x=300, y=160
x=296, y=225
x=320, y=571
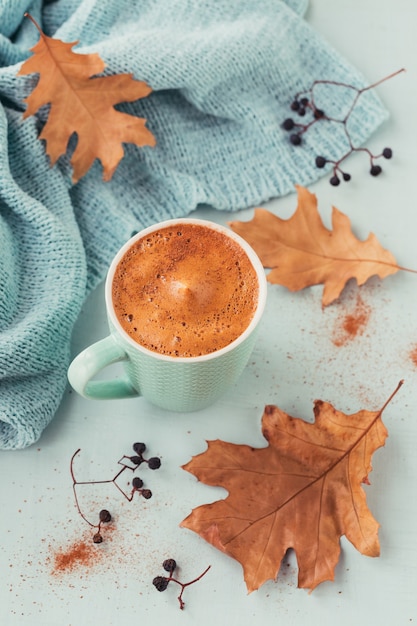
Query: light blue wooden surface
x=295, y=362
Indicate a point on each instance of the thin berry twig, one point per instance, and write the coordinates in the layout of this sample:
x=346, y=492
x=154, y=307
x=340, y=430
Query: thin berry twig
x=161, y=582
x=128, y=463
x=359, y=91
x=305, y=102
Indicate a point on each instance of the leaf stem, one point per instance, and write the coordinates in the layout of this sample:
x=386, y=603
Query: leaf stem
x=28, y=15
x=407, y=269
x=400, y=384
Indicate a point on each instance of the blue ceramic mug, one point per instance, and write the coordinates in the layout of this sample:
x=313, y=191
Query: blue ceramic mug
x=170, y=382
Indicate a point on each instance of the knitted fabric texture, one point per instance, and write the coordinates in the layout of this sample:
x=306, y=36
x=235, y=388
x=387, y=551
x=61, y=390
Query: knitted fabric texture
x=223, y=75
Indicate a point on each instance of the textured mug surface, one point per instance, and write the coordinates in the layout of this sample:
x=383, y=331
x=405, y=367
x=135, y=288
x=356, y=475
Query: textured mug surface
x=173, y=383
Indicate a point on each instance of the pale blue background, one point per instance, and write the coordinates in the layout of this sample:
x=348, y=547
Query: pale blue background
x=294, y=363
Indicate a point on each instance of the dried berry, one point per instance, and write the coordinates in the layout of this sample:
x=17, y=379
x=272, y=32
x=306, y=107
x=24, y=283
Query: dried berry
x=160, y=582
x=137, y=482
x=169, y=565
x=288, y=124
x=97, y=538
x=146, y=493
x=139, y=448
x=104, y=516
x=154, y=463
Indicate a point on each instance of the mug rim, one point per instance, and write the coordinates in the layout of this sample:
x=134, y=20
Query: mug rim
x=253, y=258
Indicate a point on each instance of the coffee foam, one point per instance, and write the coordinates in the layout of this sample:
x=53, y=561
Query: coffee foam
x=185, y=291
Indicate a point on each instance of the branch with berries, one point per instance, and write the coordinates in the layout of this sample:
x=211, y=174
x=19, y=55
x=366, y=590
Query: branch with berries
x=161, y=582
x=128, y=462
x=304, y=105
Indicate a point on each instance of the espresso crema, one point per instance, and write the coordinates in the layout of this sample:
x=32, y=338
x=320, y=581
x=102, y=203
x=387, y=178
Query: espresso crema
x=185, y=291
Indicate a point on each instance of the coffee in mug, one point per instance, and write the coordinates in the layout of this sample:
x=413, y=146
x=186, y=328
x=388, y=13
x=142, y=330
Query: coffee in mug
x=185, y=291
x=184, y=299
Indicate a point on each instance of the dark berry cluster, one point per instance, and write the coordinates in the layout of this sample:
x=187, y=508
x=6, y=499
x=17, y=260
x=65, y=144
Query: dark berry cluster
x=339, y=174
x=300, y=106
x=304, y=106
x=161, y=582
x=153, y=463
x=104, y=518
x=128, y=462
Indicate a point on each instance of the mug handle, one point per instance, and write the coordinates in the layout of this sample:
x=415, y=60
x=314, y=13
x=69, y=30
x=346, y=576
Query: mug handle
x=90, y=362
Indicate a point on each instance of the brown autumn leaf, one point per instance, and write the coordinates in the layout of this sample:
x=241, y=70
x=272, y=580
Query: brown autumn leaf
x=302, y=252
x=302, y=491
x=83, y=103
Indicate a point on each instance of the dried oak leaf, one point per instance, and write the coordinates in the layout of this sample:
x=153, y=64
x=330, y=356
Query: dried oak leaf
x=302, y=491
x=82, y=102
x=302, y=252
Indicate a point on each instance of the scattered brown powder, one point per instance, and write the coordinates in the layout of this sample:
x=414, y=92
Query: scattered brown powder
x=79, y=553
x=413, y=355
x=351, y=324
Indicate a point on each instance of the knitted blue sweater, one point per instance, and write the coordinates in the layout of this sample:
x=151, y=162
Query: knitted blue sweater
x=223, y=74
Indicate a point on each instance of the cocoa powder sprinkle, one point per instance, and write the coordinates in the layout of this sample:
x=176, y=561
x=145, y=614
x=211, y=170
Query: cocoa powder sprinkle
x=79, y=553
x=413, y=355
x=352, y=324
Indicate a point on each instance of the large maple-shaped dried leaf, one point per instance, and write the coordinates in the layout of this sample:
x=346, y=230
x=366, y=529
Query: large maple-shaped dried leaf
x=82, y=103
x=302, y=252
x=302, y=491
